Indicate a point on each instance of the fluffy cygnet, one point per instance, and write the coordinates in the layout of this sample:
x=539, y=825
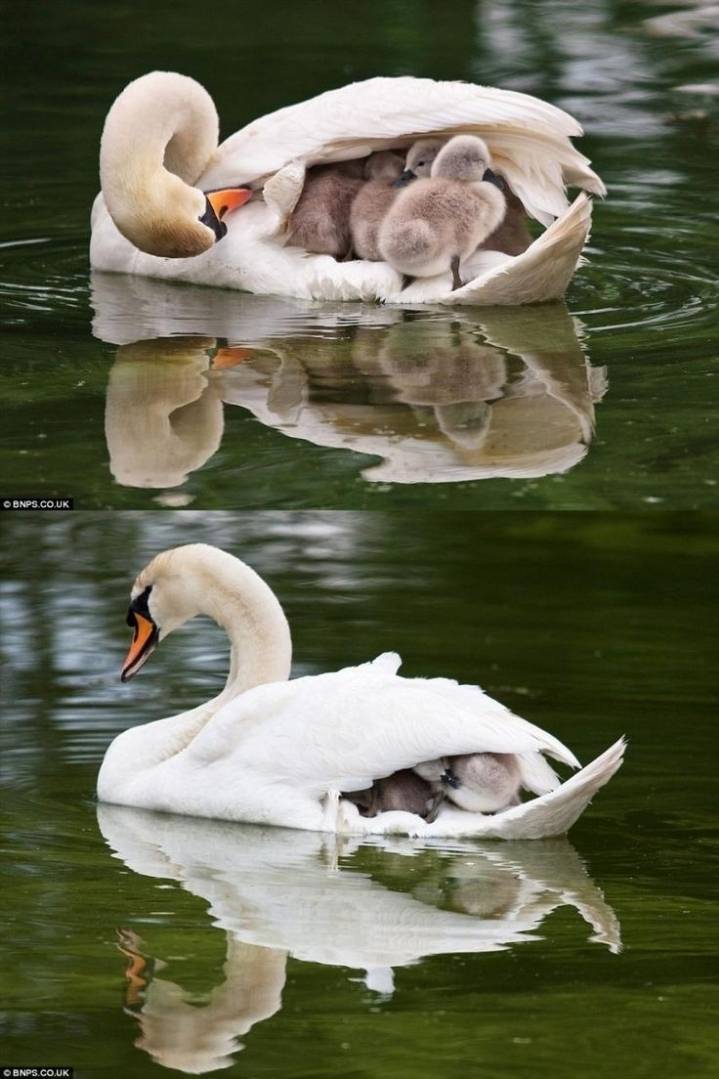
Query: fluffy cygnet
x=477, y=782
x=436, y=222
x=403, y=790
x=372, y=203
x=419, y=160
x=320, y=221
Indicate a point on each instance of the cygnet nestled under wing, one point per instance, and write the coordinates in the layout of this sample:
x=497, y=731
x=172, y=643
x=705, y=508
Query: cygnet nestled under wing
x=436, y=222
x=372, y=203
x=320, y=222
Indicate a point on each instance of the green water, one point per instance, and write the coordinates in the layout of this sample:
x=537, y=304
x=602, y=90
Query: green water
x=327, y=410
x=589, y=625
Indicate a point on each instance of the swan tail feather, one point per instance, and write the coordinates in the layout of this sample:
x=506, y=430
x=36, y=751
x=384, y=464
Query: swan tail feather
x=537, y=774
x=550, y=814
x=554, y=813
x=542, y=272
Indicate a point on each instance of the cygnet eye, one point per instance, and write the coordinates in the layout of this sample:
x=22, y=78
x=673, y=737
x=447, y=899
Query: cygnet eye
x=420, y=162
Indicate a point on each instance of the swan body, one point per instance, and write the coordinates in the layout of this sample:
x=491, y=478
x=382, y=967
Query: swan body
x=142, y=218
x=273, y=751
x=436, y=222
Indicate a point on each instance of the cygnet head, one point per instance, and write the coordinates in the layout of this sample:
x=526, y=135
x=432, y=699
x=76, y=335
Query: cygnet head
x=420, y=159
x=384, y=166
x=465, y=157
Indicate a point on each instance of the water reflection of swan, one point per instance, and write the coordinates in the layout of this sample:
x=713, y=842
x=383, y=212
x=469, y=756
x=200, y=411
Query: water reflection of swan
x=439, y=398
x=277, y=893
x=163, y=417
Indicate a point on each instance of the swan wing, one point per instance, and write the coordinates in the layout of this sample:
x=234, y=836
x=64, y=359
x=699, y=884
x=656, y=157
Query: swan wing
x=529, y=139
x=341, y=731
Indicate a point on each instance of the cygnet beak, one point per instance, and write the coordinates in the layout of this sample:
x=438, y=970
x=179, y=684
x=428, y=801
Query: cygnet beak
x=449, y=779
x=492, y=178
x=405, y=178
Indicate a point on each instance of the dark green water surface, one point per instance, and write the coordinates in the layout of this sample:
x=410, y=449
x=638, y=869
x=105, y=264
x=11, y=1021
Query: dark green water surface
x=145, y=945
x=363, y=407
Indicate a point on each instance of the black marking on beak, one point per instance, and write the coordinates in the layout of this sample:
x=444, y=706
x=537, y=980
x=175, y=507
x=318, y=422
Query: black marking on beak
x=137, y=613
x=212, y=221
x=404, y=178
x=140, y=605
x=449, y=779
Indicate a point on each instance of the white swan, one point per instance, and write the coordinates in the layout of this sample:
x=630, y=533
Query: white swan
x=159, y=156
x=279, y=752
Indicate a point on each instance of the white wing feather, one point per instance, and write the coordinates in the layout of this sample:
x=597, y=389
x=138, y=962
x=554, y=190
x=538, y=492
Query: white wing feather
x=528, y=138
x=343, y=730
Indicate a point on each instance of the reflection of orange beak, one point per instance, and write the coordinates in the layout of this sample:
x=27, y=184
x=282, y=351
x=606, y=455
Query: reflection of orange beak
x=222, y=202
x=143, y=644
x=230, y=357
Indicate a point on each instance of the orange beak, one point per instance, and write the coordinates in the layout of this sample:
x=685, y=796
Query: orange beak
x=230, y=357
x=143, y=645
x=226, y=200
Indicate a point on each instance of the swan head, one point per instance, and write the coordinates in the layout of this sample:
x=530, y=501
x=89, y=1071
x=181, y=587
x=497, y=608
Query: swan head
x=465, y=157
x=201, y=579
x=168, y=218
x=159, y=137
x=163, y=597
x=420, y=159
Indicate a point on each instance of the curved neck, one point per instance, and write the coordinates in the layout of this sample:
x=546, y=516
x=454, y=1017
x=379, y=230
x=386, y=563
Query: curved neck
x=247, y=609
x=218, y=585
x=159, y=136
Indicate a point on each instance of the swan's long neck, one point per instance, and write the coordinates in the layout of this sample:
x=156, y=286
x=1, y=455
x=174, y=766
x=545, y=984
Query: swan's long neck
x=249, y=612
x=228, y=591
x=159, y=137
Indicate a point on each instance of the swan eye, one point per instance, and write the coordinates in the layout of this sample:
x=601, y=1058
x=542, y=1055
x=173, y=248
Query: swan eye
x=139, y=606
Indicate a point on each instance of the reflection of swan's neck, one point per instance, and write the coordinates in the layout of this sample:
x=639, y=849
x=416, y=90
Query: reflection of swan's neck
x=163, y=418
x=183, y=1035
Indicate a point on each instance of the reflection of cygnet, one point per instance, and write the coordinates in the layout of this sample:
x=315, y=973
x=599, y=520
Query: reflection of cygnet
x=320, y=221
x=478, y=782
x=436, y=222
x=434, y=362
x=372, y=203
x=163, y=419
